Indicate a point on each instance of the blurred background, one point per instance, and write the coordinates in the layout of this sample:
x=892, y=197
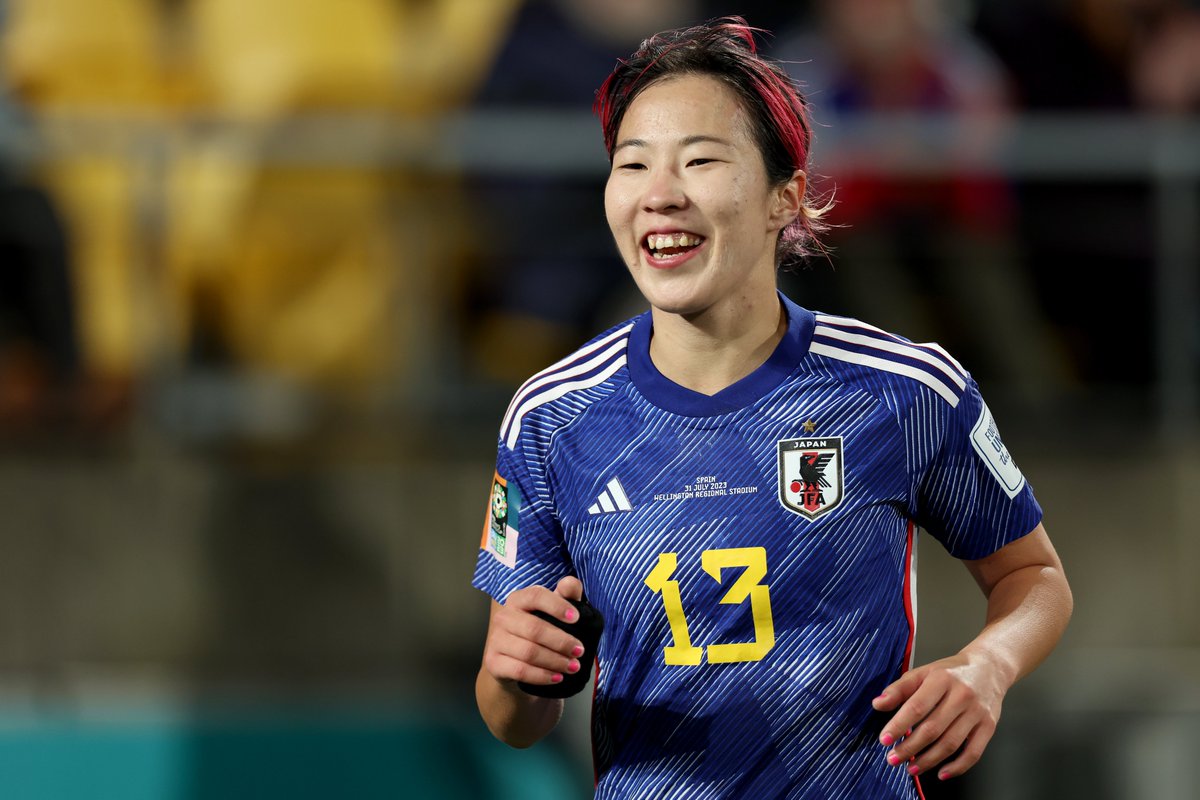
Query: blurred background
x=270, y=271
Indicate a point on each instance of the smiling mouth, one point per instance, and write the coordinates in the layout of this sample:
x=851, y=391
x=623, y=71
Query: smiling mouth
x=664, y=246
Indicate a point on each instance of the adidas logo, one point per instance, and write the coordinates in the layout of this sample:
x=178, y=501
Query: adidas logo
x=613, y=498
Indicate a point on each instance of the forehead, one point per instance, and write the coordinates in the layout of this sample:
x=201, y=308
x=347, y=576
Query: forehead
x=686, y=105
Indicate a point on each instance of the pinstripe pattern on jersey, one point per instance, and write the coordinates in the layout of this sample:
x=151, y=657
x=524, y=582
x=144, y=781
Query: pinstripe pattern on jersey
x=806, y=654
x=539, y=518
x=852, y=341
x=798, y=722
x=855, y=326
x=591, y=365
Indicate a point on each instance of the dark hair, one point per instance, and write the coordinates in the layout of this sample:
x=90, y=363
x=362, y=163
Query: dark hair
x=778, y=113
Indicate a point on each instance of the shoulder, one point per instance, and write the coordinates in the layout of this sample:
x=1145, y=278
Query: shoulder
x=896, y=370
x=560, y=392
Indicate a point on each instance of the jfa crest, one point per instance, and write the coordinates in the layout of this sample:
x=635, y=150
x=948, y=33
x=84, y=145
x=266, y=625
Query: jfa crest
x=810, y=475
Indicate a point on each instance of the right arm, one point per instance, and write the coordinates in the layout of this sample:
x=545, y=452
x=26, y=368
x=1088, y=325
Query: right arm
x=522, y=647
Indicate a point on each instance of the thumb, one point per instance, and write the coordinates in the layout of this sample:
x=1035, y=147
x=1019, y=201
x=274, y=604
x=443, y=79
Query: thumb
x=899, y=690
x=570, y=587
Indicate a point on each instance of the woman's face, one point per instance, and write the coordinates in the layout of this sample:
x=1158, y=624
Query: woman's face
x=688, y=200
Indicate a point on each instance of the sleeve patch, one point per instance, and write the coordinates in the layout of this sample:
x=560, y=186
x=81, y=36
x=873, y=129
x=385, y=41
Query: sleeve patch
x=501, y=531
x=985, y=438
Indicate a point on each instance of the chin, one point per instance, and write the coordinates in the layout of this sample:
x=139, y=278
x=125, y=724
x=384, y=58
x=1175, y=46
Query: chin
x=674, y=304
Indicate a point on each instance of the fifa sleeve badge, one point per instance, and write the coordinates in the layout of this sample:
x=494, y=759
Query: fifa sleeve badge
x=501, y=529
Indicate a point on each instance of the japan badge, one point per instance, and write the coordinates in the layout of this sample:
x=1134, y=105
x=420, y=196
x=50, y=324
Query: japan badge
x=810, y=475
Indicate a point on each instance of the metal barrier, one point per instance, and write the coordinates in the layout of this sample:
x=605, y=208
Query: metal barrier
x=1163, y=151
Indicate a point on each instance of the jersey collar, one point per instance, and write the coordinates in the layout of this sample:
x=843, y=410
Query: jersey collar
x=670, y=396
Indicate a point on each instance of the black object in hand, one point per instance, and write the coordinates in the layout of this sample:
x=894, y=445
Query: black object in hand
x=586, y=629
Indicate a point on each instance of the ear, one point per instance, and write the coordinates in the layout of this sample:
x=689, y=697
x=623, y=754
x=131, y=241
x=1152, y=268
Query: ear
x=789, y=200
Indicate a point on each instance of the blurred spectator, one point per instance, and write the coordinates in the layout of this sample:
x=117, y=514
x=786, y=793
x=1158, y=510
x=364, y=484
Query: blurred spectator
x=1166, y=70
x=1086, y=237
x=39, y=358
x=931, y=256
x=1097, y=54
x=548, y=270
x=42, y=383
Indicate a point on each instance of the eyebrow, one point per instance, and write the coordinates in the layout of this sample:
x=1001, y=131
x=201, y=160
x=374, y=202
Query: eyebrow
x=698, y=138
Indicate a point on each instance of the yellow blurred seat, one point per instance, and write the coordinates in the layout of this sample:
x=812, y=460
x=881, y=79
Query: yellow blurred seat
x=84, y=53
x=263, y=59
x=298, y=269
x=270, y=57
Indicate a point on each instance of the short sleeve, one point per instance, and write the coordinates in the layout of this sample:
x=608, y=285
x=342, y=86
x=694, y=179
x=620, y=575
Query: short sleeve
x=522, y=543
x=971, y=496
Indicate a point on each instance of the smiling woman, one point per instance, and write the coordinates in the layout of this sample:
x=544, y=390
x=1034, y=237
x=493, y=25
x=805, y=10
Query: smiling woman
x=774, y=112
x=686, y=167
x=735, y=483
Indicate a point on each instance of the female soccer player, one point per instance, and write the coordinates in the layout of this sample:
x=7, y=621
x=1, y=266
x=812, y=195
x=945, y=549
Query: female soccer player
x=735, y=483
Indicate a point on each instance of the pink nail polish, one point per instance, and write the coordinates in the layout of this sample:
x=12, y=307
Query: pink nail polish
x=571, y=614
x=943, y=775
x=887, y=740
x=573, y=667
x=578, y=651
x=556, y=678
x=913, y=769
x=893, y=759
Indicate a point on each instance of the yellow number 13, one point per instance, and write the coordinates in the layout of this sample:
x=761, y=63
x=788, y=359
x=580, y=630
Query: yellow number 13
x=747, y=586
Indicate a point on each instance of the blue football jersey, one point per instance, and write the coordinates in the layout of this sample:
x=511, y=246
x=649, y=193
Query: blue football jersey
x=752, y=552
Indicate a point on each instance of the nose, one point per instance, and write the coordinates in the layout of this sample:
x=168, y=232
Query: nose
x=664, y=192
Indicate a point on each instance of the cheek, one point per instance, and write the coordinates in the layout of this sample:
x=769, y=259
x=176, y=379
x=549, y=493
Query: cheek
x=620, y=212
x=747, y=200
x=615, y=207
x=730, y=202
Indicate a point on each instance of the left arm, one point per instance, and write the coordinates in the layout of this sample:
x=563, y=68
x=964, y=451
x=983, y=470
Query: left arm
x=952, y=705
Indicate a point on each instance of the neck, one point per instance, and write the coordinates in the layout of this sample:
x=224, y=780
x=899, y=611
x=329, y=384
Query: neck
x=714, y=349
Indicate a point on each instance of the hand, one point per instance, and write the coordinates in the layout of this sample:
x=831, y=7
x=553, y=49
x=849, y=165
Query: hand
x=522, y=647
x=947, y=707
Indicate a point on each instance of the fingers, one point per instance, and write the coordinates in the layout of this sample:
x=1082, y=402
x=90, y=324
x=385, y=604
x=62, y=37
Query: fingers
x=571, y=587
x=977, y=740
x=530, y=664
x=961, y=738
x=899, y=691
x=523, y=647
x=916, y=709
x=943, y=716
x=931, y=743
x=539, y=598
